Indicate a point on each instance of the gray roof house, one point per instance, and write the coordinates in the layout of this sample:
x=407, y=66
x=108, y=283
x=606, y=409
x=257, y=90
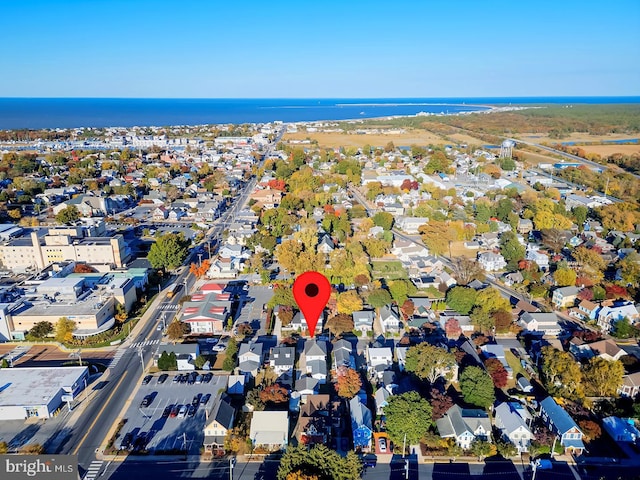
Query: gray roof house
x=513, y=427
x=282, y=360
x=465, y=425
x=363, y=320
x=380, y=397
x=250, y=358
x=220, y=421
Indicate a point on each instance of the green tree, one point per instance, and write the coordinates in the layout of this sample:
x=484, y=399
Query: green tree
x=200, y=361
x=465, y=270
x=477, y=387
x=603, y=377
x=630, y=269
x=230, y=355
x=408, y=414
x=379, y=298
x=167, y=361
x=384, y=220
x=319, y=463
x=624, y=329
x=64, y=330
x=168, y=251
x=401, y=289
x=580, y=214
x=490, y=299
x=511, y=249
x=482, y=449
x=429, y=362
x=461, y=299
x=41, y=329
x=562, y=374
x=68, y=215
x=4, y=447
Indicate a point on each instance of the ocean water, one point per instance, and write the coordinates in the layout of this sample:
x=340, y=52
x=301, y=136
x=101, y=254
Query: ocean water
x=33, y=113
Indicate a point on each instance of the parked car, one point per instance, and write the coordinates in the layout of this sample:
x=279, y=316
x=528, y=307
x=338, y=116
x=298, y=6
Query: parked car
x=205, y=398
x=163, y=378
x=191, y=379
x=211, y=341
x=183, y=378
x=146, y=401
x=196, y=399
x=147, y=379
x=542, y=464
x=167, y=411
x=174, y=411
x=126, y=441
x=192, y=411
x=382, y=444
x=206, y=378
x=198, y=379
x=183, y=411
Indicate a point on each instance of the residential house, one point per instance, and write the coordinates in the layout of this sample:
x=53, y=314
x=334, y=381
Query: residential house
x=282, y=360
x=410, y=225
x=380, y=396
x=565, y=296
x=513, y=427
x=630, y=385
x=363, y=321
x=561, y=424
x=491, y=262
x=621, y=430
x=379, y=360
x=512, y=278
x=300, y=324
x=609, y=315
x=269, y=430
x=343, y=355
x=538, y=256
x=235, y=384
x=545, y=323
x=361, y=424
x=525, y=226
x=313, y=426
x=607, y=349
x=219, y=423
x=389, y=318
x=186, y=354
x=465, y=425
x=250, y=358
x=523, y=384
x=497, y=351
x=315, y=359
x=588, y=309
x=326, y=245
x=401, y=357
x=304, y=387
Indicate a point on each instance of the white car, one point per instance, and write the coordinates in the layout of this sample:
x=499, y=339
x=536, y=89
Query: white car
x=182, y=412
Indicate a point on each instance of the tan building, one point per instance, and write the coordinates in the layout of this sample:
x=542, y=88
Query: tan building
x=39, y=252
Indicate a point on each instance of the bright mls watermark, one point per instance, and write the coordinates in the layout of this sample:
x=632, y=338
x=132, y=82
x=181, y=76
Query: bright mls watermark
x=49, y=467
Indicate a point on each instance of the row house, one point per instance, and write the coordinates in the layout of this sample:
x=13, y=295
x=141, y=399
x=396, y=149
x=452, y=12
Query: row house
x=560, y=423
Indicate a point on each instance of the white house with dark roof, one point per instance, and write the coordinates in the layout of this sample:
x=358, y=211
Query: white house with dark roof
x=363, y=321
x=389, y=318
x=282, y=359
x=465, y=425
x=513, y=426
x=545, y=323
x=609, y=315
x=491, y=262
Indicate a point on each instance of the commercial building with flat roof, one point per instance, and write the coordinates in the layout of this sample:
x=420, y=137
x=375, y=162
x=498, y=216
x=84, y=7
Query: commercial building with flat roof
x=38, y=392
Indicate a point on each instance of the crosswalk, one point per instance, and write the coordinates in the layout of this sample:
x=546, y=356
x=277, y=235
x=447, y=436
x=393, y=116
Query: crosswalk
x=169, y=307
x=145, y=343
x=93, y=470
x=116, y=358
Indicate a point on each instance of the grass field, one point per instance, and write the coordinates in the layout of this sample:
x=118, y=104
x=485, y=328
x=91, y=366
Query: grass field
x=514, y=363
x=336, y=140
x=606, y=150
x=579, y=137
x=388, y=269
x=459, y=250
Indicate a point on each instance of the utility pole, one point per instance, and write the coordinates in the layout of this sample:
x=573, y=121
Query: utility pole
x=406, y=460
x=232, y=461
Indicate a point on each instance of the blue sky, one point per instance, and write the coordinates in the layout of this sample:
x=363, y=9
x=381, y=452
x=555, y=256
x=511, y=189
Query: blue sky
x=344, y=48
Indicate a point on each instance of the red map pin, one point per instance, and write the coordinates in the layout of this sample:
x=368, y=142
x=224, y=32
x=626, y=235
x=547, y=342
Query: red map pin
x=311, y=291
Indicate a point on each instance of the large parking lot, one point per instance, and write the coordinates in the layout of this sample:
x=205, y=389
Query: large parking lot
x=174, y=415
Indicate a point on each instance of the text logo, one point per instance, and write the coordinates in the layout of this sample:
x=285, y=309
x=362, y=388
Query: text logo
x=49, y=467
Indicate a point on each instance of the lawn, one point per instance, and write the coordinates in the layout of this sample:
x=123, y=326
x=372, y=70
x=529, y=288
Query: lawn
x=515, y=365
x=390, y=270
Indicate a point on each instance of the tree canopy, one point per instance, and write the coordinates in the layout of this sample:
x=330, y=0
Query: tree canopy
x=477, y=387
x=168, y=252
x=320, y=463
x=429, y=362
x=461, y=299
x=408, y=414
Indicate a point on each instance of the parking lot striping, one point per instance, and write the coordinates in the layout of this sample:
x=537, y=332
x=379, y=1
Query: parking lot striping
x=145, y=343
